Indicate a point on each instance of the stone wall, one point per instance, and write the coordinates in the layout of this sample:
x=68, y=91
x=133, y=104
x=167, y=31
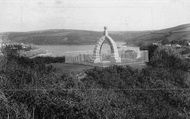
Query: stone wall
x=80, y=58
x=126, y=57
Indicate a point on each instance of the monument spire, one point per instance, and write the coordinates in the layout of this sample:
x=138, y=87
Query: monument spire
x=105, y=31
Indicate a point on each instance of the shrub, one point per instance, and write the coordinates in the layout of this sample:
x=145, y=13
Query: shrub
x=168, y=57
x=34, y=90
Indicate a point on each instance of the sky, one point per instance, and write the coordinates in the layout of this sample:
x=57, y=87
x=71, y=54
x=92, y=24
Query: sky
x=117, y=15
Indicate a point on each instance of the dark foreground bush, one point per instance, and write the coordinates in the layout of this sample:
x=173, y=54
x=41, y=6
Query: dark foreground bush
x=32, y=90
x=48, y=59
x=151, y=93
x=167, y=57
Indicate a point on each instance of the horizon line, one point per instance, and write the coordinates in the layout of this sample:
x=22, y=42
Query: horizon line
x=42, y=30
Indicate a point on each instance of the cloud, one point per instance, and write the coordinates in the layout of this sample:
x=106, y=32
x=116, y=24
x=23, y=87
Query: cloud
x=24, y=15
x=58, y=2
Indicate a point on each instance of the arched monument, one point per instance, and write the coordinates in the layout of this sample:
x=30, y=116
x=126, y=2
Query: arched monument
x=115, y=58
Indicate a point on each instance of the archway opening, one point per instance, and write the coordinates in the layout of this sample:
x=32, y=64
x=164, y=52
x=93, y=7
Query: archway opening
x=105, y=51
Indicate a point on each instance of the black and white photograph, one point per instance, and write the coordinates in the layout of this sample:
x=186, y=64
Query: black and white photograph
x=94, y=59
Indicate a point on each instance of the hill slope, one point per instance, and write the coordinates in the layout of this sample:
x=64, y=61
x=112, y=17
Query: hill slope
x=169, y=35
x=78, y=37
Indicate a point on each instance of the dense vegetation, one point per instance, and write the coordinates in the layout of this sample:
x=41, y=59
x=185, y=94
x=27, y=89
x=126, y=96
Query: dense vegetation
x=34, y=90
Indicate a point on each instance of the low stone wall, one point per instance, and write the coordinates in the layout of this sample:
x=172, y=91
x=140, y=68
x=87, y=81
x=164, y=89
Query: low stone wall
x=87, y=59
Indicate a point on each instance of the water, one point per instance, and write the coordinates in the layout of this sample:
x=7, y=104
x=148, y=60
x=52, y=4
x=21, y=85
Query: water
x=60, y=50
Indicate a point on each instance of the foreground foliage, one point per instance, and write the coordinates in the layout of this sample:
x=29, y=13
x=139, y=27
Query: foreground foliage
x=33, y=90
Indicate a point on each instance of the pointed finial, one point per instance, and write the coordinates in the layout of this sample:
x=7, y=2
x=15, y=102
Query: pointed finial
x=105, y=31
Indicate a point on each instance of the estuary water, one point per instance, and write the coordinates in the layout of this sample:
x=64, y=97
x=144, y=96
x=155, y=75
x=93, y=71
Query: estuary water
x=60, y=50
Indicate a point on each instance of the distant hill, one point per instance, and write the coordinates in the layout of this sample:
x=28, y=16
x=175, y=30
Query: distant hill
x=61, y=37
x=79, y=37
x=178, y=33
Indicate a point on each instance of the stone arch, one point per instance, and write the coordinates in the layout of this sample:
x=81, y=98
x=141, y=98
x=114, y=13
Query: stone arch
x=98, y=47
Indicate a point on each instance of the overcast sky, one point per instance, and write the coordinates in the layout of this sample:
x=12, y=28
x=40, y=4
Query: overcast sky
x=27, y=15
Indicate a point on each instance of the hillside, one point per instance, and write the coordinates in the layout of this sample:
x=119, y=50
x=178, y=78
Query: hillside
x=78, y=37
x=69, y=37
x=178, y=33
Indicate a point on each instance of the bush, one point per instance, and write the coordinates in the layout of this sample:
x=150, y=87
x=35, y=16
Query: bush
x=168, y=57
x=31, y=89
